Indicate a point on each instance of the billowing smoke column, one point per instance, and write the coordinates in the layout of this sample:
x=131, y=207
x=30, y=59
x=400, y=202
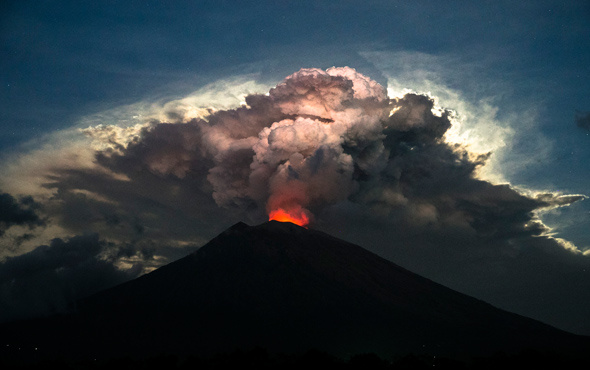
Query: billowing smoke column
x=326, y=140
x=320, y=127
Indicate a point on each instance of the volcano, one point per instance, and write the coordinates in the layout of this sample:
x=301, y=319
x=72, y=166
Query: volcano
x=287, y=289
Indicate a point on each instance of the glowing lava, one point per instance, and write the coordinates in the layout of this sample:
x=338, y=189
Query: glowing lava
x=298, y=216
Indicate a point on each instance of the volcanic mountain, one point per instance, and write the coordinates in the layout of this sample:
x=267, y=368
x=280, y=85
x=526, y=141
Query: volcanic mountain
x=287, y=289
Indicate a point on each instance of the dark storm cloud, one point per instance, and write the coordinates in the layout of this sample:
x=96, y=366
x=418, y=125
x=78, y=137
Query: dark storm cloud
x=48, y=278
x=18, y=212
x=51, y=277
x=583, y=120
x=147, y=206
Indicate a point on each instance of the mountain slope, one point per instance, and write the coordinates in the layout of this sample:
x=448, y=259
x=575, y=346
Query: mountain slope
x=287, y=289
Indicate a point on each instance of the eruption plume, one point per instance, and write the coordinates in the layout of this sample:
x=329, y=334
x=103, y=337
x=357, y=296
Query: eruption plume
x=295, y=147
x=332, y=143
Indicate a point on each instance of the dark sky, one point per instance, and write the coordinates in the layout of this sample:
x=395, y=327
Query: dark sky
x=82, y=210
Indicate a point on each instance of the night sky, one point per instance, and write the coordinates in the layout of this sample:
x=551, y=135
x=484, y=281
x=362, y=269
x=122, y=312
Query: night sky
x=455, y=144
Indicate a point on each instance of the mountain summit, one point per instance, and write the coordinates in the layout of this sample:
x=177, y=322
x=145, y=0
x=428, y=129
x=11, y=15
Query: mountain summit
x=287, y=289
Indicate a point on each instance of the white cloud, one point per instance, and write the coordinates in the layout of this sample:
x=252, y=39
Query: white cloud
x=458, y=85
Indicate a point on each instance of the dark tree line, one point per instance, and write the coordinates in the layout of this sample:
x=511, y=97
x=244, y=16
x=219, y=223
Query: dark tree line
x=263, y=360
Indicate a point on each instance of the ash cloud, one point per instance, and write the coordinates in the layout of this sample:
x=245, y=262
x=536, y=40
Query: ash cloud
x=18, y=212
x=321, y=138
x=49, y=278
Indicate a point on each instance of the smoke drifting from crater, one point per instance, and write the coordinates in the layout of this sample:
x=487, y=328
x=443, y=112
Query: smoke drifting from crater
x=299, y=158
x=323, y=139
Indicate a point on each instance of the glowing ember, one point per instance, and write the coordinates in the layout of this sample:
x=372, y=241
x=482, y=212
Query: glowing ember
x=298, y=216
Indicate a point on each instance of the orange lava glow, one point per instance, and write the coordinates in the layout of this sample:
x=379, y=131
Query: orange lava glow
x=298, y=217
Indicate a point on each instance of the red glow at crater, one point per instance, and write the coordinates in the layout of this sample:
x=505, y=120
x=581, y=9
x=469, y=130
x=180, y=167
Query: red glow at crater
x=296, y=216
